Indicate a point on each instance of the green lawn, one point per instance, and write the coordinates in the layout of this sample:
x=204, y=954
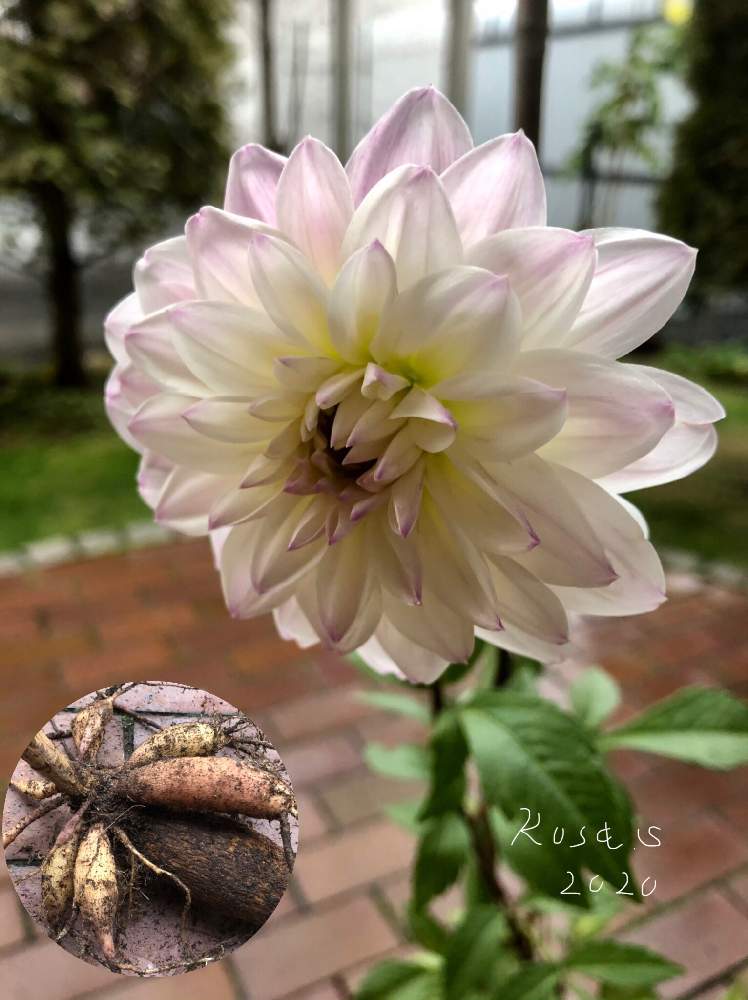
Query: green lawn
x=64, y=469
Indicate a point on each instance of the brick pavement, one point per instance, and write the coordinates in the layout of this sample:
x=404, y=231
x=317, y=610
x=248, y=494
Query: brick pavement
x=158, y=614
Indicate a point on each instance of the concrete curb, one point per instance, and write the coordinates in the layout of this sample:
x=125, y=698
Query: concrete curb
x=60, y=549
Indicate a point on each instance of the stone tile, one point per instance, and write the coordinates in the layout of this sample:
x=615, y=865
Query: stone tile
x=312, y=823
x=364, y=795
x=353, y=858
x=147, y=533
x=213, y=981
x=304, y=950
x=320, y=712
x=100, y=543
x=692, y=853
x=707, y=935
x=11, y=921
x=46, y=970
x=315, y=760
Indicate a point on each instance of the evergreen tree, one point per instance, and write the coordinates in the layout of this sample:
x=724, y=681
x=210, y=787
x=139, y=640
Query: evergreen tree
x=111, y=118
x=705, y=200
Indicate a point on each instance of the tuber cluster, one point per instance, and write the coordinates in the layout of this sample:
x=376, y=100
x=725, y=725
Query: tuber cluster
x=180, y=807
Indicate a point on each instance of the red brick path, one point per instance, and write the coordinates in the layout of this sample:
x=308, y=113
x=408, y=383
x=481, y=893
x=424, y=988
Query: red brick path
x=158, y=614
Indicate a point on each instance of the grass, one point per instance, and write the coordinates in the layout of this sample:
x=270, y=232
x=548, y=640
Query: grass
x=66, y=471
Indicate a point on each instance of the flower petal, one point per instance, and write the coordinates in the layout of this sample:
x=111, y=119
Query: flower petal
x=421, y=128
x=364, y=287
x=388, y=648
x=615, y=415
x=218, y=242
x=149, y=344
x=525, y=602
x=683, y=450
x=292, y=623
x=118, y=322
x=640, y=586
x=252, y=182
x=639, y=282
x=227, y=418
x=186, y=499
x=496, y=186
x=693, y=404
x=516, y=641
x=409, y=213
x=568, y=550
x=458, y=321
x=292, y=294
x=314, y=204
x=432, y=624
x=229, y=347
x=159, y=425
x=164, y=275
x=548, y=269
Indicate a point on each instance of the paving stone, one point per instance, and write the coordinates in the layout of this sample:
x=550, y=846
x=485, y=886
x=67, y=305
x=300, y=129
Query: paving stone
x=45, y=970
x=312, y=761
x=214, y=982
x=692, y=853
x=707, y=935
x=304, y=950
x=353, y=858
x=11, y=921
x=364, y=795
x=320, y=712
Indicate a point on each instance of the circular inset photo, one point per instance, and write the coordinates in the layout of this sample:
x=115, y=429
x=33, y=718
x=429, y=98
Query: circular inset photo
x=150, y=827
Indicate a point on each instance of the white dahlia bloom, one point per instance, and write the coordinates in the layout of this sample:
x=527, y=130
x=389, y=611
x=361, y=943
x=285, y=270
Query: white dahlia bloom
x=390, y=392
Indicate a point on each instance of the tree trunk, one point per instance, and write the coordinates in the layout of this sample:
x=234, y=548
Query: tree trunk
x=63, y=286
x=459, y=31
x=532, y=27
x=267, y=62
x=342, y=45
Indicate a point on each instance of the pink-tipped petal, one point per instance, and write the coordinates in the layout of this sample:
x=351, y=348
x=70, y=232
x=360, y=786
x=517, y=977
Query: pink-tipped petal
x=252, y=182
x=364, y=287
x=164, y=275
x=409, y=214
x=422, y=127
x=496, y=186
x=639, y=282
x=314, y=204
x=549, y=270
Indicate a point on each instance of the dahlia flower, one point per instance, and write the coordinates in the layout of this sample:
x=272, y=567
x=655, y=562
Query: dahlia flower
x=390, y=393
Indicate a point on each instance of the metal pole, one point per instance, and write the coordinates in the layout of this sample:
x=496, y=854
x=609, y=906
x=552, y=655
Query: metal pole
x=267, y=64
x=459, y=33
x=342, y=46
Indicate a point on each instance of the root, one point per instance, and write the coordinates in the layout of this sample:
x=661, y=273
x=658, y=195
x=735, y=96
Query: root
x=54, y=802
x=285, y=829
x=126, y=842
x=188, y=965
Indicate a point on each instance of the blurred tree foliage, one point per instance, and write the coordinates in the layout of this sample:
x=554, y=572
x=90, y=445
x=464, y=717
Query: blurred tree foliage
x=705, y=199
x=625, y=123
x=111, y=118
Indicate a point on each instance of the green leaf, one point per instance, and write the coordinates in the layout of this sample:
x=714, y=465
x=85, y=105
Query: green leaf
x=405, y=814
x=474, y=952
x=429, y=932
x=594, y=695
x=408, y=761
x=448, y=754
x=539, y=866
x=531, y=982
x=532, y=756
x=396, y=702
x=442, y=852
x=393, y=980
x=628, y=966
x=701, y=725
